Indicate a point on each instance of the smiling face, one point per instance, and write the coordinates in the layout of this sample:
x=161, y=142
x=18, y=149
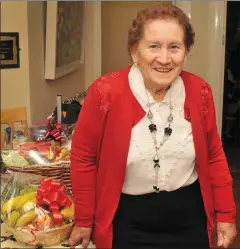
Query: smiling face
x=161, y=53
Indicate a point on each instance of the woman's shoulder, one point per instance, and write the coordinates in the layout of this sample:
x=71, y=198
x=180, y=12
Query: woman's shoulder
x=110, y=82
x=200, y=88
x=196, y=82
x=194, y=79
x=104, y=89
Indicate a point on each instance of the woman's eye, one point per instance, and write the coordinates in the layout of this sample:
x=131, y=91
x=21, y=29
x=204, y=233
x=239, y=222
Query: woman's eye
x=174, y=47
x=153, y=46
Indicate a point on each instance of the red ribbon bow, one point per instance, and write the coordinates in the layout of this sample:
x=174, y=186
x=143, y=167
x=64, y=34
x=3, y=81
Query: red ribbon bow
x=54, y=130
x=53, y=194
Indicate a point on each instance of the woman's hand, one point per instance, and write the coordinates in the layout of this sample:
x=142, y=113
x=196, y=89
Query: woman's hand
x=226, y=232
x=80, y=235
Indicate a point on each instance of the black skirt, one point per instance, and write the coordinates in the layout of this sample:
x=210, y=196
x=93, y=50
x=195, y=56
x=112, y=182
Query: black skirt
x=165, y=220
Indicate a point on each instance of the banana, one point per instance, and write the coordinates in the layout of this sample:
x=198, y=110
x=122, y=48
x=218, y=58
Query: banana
x=27, y=189
x=26, y=218
x=28, y=206
x=10, y=205
x=68, y=213
x=25, y=198
x=33, y=199
x=11, y=221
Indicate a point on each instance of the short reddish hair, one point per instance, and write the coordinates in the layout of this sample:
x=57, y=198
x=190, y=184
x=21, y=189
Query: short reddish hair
x=162, y=11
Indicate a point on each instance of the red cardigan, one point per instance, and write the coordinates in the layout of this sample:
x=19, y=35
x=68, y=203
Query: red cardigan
x=100, y=148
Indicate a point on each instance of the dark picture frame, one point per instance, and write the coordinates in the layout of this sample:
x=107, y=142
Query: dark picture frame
x=9, y=50
x=64, y=19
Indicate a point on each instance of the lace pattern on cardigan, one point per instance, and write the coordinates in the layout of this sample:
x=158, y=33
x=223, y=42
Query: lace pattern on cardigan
x=205, y=97
x=101, y=87
x=205, y=94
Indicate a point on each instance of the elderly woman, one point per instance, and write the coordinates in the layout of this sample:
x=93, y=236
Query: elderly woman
x=148, y=169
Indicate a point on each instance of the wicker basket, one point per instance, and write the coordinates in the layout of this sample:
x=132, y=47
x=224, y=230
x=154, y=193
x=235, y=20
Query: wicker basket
x=45, y=238
x=59, y=170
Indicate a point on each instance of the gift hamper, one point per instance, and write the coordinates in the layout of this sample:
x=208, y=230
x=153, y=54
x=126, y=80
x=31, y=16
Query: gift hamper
x=45, y=158
x=46, y=151
x=35, y=209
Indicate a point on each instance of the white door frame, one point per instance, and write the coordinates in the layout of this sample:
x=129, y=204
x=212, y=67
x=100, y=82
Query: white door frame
x=216, y=33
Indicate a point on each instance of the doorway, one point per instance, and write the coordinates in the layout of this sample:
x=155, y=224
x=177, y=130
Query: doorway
x=231, y=100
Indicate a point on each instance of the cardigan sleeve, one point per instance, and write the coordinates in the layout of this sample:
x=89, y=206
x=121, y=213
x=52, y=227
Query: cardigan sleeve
x=83, y=158
x=220, y=176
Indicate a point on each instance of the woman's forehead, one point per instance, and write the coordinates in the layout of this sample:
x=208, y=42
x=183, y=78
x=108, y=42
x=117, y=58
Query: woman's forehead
x=161, y=30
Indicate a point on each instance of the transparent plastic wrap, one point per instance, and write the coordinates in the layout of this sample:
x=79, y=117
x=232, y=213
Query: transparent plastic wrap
x=38, y=131
x=37, y=210
x=32, y=153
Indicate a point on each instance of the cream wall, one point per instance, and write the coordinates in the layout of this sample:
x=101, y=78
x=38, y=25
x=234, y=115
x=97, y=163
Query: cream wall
x=15, y=88
x=43, y=93
x=31, y=89
x=117, y=17
x=197, y=62
x=93, y=47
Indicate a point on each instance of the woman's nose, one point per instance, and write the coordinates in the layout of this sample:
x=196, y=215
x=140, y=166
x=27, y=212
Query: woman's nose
x=163, y=57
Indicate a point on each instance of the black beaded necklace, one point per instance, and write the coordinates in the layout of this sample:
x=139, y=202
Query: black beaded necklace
x=153, y=130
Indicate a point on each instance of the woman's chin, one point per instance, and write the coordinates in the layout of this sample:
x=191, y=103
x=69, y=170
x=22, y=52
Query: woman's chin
x=164, y=82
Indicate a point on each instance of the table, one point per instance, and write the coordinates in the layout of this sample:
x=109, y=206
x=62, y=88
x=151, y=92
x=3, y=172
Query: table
x=8, y=242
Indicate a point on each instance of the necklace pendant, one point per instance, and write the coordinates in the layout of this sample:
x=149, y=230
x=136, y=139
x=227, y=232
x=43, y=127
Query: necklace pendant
x=156, y=188
x=156, y=165
x=156, y=159
x=170, y=118
x=152, y=127
x=150, y=115
x=168, y=131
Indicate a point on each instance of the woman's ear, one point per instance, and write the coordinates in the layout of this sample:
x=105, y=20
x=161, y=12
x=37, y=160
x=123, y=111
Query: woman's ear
x=133, y=54
x=185, y=59
x=187, y=53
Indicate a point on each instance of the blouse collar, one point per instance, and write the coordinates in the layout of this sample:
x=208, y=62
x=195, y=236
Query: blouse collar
x=138, y=88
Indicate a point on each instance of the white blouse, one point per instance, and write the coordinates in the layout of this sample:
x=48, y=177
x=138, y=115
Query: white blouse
x=176, y=156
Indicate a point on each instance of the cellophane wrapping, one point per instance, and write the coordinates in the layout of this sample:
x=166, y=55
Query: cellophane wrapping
x=36, y=209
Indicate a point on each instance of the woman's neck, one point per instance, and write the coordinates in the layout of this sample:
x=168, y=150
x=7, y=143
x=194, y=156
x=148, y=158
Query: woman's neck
x=158, y=94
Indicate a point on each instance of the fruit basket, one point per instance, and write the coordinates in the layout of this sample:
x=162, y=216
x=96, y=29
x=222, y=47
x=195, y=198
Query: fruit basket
x=58, y=170
x=40, y=158
x=46, y=238
x=37, y=214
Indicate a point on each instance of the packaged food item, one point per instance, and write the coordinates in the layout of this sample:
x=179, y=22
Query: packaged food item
x=67, y=143
x=8, y=135
x=37, y=157
x=38, y=132
x=13, y=158
x=63, y=155
x=37, y=214
x=40, y=152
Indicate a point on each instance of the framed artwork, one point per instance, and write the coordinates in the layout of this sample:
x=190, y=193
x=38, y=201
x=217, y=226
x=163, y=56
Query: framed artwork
x=9, y=50
x=64, y=38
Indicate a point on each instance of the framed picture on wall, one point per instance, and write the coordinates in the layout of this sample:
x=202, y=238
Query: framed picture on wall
x=64, y=38
x=9, y=50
